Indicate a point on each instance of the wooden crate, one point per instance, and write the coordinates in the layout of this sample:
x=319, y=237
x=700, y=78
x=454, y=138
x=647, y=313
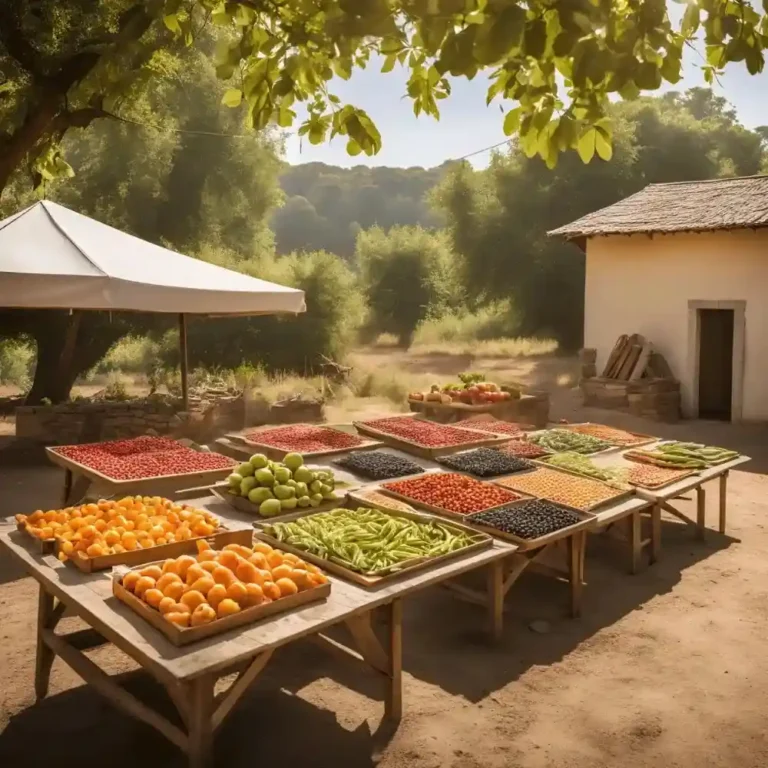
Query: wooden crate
x=357, y=497
x=217, y=540
x=417, y=449
x=602, y=451
x=544, y=461
x=43, y=546
x=617, y=496
x=249, y=508
x=680, y=474
x=483, y=541
x=182, y=635
x=140, y=485
x=588, y=521
x=708, y=461
x=278, y=454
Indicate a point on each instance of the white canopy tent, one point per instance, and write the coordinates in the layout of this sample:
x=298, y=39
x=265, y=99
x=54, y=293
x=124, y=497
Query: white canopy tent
x=54, y=258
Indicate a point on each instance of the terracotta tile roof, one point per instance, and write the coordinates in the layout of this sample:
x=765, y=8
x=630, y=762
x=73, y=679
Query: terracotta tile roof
x=686, y=206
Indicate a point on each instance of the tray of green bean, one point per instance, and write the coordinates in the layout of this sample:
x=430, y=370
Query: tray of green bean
x=370, y=546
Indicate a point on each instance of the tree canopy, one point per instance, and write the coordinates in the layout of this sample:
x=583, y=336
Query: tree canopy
x=555, y=65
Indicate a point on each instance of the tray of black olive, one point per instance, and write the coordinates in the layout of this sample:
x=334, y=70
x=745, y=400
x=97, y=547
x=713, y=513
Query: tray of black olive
x=378, y=465
x=485, y=462
x=531, y=523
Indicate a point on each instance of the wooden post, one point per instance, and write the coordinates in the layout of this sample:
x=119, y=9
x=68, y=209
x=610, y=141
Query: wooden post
x=635, y=541
x=393, y=706
x=201, y=705
x=723, y=492
x=184, y=361
x=701, y=511
x=655, y=532
x=576, y=544
x=496, y=598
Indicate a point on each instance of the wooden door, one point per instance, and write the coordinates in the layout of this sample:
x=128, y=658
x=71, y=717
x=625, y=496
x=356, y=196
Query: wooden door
x=715, y=363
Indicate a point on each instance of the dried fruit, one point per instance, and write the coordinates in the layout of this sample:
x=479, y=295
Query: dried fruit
x=485, y=462
x=579, y=492
x=305, y=438
x=609, y=434
x=523, y=449
x=427, y=434
x=559, y=440
x=528, y=519
x=379, y=465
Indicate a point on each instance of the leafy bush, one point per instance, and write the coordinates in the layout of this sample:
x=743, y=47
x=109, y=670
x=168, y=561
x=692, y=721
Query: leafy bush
x=17, y=363
x=494, y=321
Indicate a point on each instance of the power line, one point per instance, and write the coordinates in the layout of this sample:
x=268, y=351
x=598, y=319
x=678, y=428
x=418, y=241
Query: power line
x=485, y=149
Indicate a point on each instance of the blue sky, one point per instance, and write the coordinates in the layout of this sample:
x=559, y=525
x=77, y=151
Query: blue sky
x=467, y=125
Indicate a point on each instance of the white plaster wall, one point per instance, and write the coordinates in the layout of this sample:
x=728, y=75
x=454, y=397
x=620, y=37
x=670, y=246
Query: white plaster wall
x=642, y=284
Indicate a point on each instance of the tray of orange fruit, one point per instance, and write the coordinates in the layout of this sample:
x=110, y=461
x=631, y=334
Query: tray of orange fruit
x=191, y=597
x=128, y=531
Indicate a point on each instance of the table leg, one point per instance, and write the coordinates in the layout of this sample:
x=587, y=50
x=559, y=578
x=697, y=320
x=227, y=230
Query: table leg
x=200, y=740
x=67, y=487
x=576, y=545
x=723, y=492
x=655, y=532
x=701, y=510
x=45, y=656
x=496, y=598
x=635, y=541
x=393, y=706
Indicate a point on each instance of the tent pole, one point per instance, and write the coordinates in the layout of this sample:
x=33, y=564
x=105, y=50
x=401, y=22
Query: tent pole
x=184, y=364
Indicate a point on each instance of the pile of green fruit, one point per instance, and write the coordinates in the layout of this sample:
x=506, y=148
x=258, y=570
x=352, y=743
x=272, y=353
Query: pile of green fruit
x=277, y=487
x=685, y=455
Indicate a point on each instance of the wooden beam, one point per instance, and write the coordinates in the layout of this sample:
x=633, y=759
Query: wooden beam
x=101, y=681
x=393, y=707
x=367, y=643
x=239, y=687
x=184, y=361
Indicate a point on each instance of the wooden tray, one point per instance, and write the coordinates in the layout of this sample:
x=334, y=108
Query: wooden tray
x=658, y=486
x=133, y=486
x=249, y=508
x=447, y=512
x=217, y=540
x=543, y=462
x=615, y=498
x=601, y=452
x=417, y=449
x=374, y=580
x=587, y=521
x=641, y=438
x=708, y=462
x=183, y=635
x=357, y=497
x=654, y=463
x=278, y=454
x=43, y=546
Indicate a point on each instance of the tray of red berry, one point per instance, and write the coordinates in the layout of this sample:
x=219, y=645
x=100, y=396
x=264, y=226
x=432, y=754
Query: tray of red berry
x=312, y=441
x=141, y=461
x=426, y=438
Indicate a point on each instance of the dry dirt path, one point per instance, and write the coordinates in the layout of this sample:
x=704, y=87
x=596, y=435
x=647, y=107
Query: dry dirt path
x=666, y=668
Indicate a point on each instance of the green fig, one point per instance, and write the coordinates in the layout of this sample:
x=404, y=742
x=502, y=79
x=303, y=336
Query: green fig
x=303, y=501
x=234, y=480
x=257, y=495
x=283, y=492
x=248, y=484
x=245, y=470
x=302, y=489
x=270, y=508
x=316, y=486
x=282, y=474
x=258, y=461
x=302, y=475
x=315, y=499
x=288, y=503
x=293, y=461
x=265, y=477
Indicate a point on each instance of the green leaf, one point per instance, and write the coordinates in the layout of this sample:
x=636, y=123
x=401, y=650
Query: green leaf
x=587, y=144
x=171, y=21
x=232, y=97
x=285, y=117
x=500, y=37
x=389, y=63
x=648, y=76
x=535, y=38
x=342, y=68
x=671, y=69
x=353, y=148
x=691, y=20
x=512, y=121
x=716, y=55
x=225, y=71
x=603, y=144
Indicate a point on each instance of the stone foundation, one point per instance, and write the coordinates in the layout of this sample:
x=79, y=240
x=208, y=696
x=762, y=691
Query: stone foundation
x=656, y=399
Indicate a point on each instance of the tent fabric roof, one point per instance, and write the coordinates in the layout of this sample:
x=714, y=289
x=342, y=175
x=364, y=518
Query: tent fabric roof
x=687, y=206
x=54, y=258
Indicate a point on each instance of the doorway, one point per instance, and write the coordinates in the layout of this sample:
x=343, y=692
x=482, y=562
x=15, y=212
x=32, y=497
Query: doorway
x=715, y=363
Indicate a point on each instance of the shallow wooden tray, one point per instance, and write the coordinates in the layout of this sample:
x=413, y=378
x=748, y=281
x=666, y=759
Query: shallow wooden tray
x=278, y=454
x=625, y=455
x=124, y=486
x=447, y=512
x=601, y=452
x=162, y=552
x=43, y=546
x=664, y=484
x=183, y=635
x=641, y=438
x=588, y=520
x=249, y=508
x=357, y=498
x=483, y=439
x=617, y=496
x=483, y=541
x=543, y=462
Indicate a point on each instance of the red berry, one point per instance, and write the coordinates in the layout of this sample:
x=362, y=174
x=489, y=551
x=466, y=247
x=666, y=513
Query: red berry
x=424, y=433
x=305, y=438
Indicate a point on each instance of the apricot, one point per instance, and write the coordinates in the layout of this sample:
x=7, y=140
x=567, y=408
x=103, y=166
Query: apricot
x=254, y=595
x=192, y=599
x=271, y=590
x=203, y=544
x=274, y=558
x=166, y=605
x=239, y=549
x=153, y=597
x=168, y=578
x=130, y=579
x=209, y=565
x=236, y=591
x=216, y=594
x=222, y=575
x=129, y=540
x=95, y=550
x=286, y=587
x=281, y=572
x=194, y=572
x=183, y=564
x=147, y=543
x=301, y=579
x=202, y=529
x=203, y=614
x=289, y=557
x=111, y=537
x=227, y=607
x=207, y=556
x=259, y=560
x=263, y=547
x=155, y=571
x=229, y=559
x=204, y=585
x=175, y=590
x=246, y=572
x=143, y=584
x=180, y=619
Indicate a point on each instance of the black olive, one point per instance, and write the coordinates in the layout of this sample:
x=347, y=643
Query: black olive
x=527, y=519
x=379, y=465
x=485, y=462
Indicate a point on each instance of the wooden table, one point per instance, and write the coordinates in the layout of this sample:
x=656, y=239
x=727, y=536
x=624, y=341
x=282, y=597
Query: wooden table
x=663, y=497
x=79, y=480
x=189, y=674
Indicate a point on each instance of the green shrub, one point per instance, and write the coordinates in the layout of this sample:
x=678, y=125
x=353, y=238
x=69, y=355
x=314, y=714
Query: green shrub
x=494, y=321
x=17, y=363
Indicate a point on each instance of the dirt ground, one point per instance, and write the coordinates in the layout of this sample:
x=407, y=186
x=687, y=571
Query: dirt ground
x=665, y=668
